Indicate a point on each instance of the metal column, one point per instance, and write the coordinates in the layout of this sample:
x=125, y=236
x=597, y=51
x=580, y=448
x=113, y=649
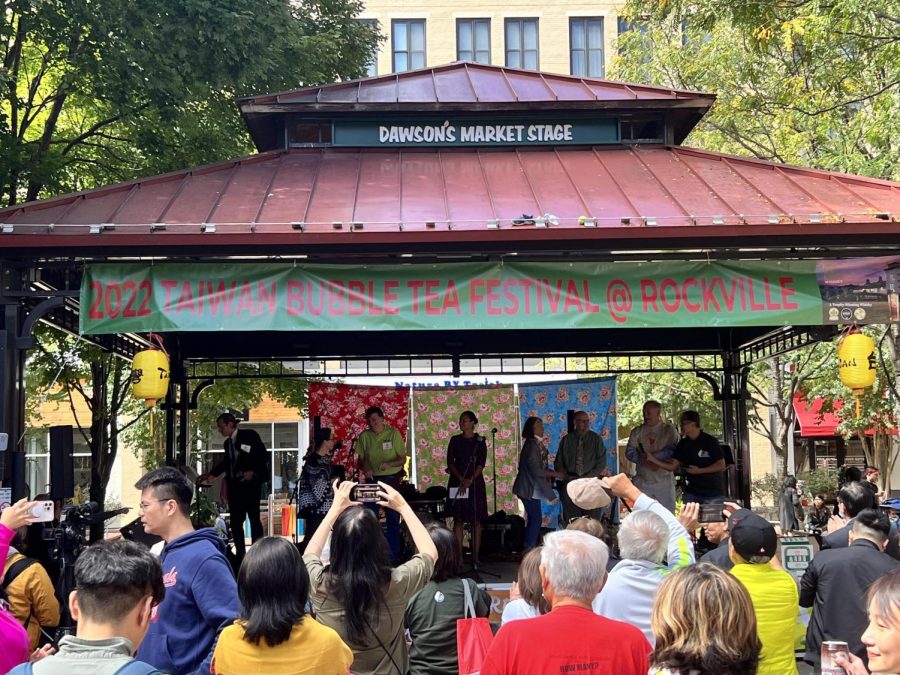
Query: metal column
x=12, y=383
x=735, y=420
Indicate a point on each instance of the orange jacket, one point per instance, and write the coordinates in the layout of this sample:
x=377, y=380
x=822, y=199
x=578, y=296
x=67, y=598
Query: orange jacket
x=31, y=592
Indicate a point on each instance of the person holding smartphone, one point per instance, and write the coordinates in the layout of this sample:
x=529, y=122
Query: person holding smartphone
x=382, y=455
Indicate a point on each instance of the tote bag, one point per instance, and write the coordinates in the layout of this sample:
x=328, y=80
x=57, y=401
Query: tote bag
x=473, y=637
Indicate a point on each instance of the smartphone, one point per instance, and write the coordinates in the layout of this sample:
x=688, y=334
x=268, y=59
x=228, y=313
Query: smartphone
x=366, y=492
x=712, y=513
x=42, y=512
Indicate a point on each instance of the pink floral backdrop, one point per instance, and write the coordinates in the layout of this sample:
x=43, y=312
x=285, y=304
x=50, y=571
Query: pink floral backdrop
x=436, y=419
x=341, y=408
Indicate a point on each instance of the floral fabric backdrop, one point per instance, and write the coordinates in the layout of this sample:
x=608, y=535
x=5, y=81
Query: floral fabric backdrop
x=551, y=401
x=341, y=408
x=436, y=419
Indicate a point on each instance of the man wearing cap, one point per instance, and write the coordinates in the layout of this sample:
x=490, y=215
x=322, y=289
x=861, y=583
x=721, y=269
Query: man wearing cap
x=752, y=545
x=836, y=582
x=656, y=439
x=647, y=536
x=581, y=454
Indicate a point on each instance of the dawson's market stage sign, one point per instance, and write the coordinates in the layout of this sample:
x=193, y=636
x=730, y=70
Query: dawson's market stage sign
x=478, y=296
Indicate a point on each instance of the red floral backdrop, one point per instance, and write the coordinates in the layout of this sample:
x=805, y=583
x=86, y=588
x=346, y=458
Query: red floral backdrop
x=341, y=408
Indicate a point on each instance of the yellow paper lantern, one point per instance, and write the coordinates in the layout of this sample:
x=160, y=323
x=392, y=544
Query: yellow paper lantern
x=150, y=376
x=856, y=363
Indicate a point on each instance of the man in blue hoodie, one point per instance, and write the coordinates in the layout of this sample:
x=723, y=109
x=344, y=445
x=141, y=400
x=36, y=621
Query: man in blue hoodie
x=201, y=594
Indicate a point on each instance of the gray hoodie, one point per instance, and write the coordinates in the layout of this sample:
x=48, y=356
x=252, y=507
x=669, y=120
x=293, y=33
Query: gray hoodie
x=77, y=656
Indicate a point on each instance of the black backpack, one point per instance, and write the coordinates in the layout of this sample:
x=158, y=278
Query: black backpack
x=14, y=571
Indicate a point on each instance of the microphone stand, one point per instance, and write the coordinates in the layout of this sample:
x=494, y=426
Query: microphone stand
x=473, y=571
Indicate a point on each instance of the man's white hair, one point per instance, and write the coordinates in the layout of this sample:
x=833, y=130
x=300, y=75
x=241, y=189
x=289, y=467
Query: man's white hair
x=643, y=535
x=575, y=564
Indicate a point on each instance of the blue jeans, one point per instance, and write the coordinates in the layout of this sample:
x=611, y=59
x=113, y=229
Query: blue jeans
x=391, y=516
x=532, y=522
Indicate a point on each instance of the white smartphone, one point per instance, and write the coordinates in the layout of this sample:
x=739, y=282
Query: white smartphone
x=42, y=512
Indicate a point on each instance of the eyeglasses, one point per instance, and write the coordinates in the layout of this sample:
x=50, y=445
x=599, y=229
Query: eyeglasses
x=143, y=506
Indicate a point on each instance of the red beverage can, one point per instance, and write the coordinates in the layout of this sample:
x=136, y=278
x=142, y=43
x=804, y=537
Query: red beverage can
x=831, y=649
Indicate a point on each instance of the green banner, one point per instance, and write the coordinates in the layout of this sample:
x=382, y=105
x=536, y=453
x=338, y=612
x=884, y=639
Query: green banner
x=132, y=297
x=427, y=133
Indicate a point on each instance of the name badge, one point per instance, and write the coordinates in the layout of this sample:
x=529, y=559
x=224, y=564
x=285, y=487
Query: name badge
x=387, y=445
x=244, y=448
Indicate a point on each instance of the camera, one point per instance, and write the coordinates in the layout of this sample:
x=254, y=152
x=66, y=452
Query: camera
x=68, y=537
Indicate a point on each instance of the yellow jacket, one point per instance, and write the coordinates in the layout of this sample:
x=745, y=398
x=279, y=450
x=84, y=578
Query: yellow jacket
x=776, y=602
x=31, y=592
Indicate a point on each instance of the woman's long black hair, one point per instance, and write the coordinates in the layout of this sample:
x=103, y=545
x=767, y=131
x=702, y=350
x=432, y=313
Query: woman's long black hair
x=322, y=435
x=273, y=587
x=359, y=572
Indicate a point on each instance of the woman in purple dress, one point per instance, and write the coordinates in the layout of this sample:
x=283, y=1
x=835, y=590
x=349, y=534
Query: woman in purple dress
x=466, y=457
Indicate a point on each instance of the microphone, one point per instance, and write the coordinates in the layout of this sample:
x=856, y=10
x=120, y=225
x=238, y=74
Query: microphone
x=494, y=430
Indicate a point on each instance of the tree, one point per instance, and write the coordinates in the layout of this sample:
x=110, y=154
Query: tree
x=676, y=392
x=99, y=92
x=877, y=405
x=798, y=82
x=773, y=384
x=66, y=368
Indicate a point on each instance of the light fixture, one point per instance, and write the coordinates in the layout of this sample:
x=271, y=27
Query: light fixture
x=208, y=228
x=430, y=225
x=585, y=221
x=98, y=228
x=815, y=218
x=356, y=227
x=297, y=226
x=7, y=228
x=157, y=227
x=650, y=221
x=718, y=220
x=625, y=221
x=540, y=222
x=883, y=216
x=337, y=225
x=773, y=219
x=493, y=224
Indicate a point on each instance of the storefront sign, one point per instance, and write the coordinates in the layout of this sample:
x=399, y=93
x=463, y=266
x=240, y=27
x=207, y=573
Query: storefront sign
x=447, y=132
x=455, y=296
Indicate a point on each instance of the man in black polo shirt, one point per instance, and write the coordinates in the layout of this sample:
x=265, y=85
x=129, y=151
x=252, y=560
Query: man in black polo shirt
x=701, y=458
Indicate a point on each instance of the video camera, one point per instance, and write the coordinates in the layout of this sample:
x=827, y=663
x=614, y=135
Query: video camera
x=69, y=535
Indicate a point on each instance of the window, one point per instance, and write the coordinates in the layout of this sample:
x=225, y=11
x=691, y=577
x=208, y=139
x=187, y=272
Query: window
x=408, y=44
x=473, y=40
x=372, y=69
x=37, y=462
x=640, y=45
x=522, y=43
x=586, y=47
x=286, y=440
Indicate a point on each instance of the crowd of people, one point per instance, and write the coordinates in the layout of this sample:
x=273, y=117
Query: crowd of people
x=344, y=602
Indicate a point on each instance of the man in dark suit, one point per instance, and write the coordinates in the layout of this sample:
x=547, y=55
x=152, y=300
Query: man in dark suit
x=836, y=582
x=852, y=499
x=245, y=467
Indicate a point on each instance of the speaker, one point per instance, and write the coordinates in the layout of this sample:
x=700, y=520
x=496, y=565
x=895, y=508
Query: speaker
x=62, y=468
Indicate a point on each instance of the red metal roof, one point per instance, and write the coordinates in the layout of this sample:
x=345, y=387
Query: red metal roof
x=472, y=83
x=434, y=195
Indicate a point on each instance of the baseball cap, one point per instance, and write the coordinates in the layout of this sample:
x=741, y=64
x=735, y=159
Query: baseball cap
x=588, y=493
x=752, y=535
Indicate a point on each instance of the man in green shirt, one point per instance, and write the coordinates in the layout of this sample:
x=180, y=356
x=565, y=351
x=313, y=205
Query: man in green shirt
x=581, y=454
x=382, y=457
